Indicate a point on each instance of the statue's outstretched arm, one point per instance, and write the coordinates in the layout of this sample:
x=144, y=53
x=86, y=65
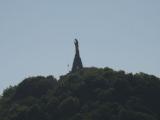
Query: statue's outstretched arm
x=75, y=41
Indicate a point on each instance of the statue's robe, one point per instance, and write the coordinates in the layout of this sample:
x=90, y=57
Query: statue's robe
x=77, y=63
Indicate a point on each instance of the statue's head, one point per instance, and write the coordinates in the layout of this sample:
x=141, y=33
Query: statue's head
x=76, y=42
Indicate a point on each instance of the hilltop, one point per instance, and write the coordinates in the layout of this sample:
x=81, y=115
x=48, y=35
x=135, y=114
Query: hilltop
x=88, y=94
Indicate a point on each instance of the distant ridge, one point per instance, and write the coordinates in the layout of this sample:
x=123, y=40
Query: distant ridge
x=87, y=94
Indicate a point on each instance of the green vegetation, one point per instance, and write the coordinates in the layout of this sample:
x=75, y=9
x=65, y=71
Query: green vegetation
x=90, y=94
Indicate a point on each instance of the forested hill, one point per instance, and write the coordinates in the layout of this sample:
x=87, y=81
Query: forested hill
x=90, y=94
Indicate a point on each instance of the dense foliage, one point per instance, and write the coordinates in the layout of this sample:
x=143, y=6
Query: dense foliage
x=90, y=94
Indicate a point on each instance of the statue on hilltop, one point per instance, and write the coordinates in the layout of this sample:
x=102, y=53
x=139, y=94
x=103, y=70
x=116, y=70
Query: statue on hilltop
x=77, y=63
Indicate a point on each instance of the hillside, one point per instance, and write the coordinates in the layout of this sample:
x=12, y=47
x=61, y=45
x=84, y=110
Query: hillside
x=90, y=94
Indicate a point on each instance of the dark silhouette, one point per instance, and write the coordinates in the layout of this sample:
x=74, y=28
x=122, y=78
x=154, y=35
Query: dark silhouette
x=94, y=94
x=77, y=63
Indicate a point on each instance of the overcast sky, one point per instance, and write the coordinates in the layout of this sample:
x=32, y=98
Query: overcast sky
x=36, y=36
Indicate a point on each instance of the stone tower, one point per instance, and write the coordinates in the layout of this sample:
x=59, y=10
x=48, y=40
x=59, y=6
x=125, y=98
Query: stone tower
x=77, y=63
